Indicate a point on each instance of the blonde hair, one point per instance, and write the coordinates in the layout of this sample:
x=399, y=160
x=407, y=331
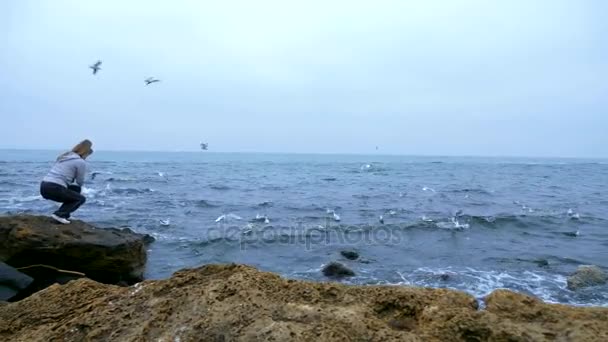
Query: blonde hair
x=83, y=149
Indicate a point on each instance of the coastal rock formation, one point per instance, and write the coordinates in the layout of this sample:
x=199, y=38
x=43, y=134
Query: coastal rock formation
x=587, y=275
x=240, y=303
x=350, y=255
x=337, y=270
x=106, y=255
x=12, y=282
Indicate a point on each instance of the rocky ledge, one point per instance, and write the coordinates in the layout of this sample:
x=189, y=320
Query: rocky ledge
x=240, y=303
x=37, y=247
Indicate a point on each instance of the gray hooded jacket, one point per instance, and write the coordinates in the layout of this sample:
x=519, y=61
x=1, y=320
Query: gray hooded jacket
x=67, y=170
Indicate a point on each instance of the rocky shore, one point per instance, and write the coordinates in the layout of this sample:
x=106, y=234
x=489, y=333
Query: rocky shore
x=80, y=283
x=240, y=303
x=36, y=252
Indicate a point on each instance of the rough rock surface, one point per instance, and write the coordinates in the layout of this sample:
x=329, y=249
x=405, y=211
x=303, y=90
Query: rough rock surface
x=105, y=255
x=585, y=276
x=44, y=276
x=240, y=303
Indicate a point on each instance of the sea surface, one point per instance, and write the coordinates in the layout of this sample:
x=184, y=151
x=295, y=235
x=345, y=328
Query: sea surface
x=474, y=224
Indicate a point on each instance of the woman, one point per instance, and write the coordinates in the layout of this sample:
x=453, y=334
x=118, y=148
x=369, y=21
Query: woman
x=58, y=185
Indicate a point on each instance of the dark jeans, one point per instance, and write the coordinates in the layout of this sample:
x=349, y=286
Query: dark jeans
x=70, y=197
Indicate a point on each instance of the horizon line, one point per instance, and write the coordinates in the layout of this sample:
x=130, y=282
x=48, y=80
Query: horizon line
x=321, y=153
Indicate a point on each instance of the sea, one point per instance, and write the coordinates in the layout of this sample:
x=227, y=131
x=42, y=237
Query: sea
x=468, y=223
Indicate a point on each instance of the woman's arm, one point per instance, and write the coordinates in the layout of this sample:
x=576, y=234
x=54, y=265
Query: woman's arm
x=81, y=170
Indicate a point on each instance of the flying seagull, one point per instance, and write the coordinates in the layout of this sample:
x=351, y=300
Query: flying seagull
x=204, y=146
x=150, y=80
x=95, y=67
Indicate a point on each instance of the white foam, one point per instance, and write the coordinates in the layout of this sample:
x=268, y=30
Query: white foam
x=89, y=191
x=452, y=224
x=226, y=217
x=551, y=288
x=33, y=198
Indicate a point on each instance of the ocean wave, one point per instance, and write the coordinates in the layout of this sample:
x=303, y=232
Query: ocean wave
x=265, y=204
x=547, y=286
x=201, y=203
x=452, y=223
x=220, y=187
x=521, y=221
x=273, y=187
x=11, y=183
x=121, y=180
x=478, y=191
x=24, y=199
x=131, y=191
x=308, y=208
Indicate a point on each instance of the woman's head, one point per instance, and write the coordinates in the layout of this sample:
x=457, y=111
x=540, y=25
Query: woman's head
x=83, y=149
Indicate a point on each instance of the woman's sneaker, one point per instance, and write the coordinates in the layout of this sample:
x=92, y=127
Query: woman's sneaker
x=60, y=219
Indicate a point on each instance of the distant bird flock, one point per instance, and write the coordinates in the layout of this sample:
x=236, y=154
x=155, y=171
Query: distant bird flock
x=97, y=66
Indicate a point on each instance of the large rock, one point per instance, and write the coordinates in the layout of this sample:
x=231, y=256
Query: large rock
x=337, y=270
x=240, y=303
x=12, y=282
x=585, y=276
x=105, y=255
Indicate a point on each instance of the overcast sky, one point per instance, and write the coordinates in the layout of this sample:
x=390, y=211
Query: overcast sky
x=520, y=78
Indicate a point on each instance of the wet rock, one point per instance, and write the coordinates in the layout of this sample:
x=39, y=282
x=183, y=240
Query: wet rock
x=587, y=275
x=240, y=303
x=350, y=255
x=12, y=282
x=444, y=277
x=337, y=270
x=105, y=255
x=541, y=262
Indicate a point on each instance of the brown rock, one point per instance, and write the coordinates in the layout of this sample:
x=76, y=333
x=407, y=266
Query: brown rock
x=240, y=303
x=106, y=255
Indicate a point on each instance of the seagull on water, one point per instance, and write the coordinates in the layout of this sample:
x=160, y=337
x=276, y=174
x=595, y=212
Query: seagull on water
x=225, y=217
x=163, y=175
x=333, y=214
x=261, y=219
x=96, y=67
x=150, y=80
